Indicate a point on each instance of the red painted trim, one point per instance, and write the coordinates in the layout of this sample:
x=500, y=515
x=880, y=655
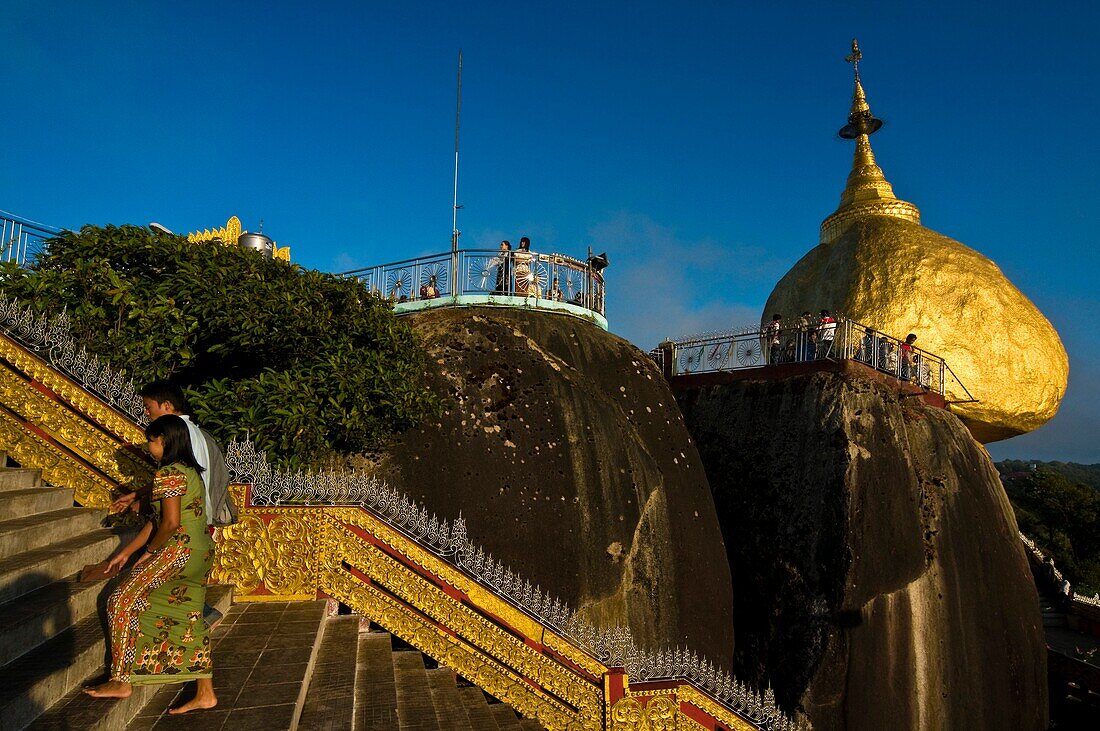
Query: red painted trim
x=615, y=680
x=700, y=716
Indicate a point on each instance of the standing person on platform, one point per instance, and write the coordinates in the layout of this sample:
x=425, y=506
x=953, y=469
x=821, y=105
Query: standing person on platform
x=522, y=259
x=826, y=333
x=430, y=289
x=807, y=337
x=905, y=357
x=555, y=292
x=158, y=634
x=504, y=268
x=868, y=347
x=771, y=339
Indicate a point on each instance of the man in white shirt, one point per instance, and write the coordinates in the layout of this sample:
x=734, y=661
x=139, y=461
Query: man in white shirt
x=160, y=398
x=826, y=332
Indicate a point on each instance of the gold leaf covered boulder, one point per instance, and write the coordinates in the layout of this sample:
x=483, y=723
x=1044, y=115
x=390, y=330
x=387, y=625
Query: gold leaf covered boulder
x=877, y=265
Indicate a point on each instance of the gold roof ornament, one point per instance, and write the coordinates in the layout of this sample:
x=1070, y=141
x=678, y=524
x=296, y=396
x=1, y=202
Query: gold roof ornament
x=229, y=235
x=867, y=191
x=877, y=264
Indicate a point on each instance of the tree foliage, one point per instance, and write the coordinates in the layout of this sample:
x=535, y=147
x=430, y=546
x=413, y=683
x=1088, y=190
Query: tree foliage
x=1064, y=517
x=1084, y=474
x=310, y=365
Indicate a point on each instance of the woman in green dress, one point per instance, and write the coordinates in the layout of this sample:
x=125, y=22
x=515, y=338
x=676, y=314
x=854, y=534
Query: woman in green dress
x=158, y=634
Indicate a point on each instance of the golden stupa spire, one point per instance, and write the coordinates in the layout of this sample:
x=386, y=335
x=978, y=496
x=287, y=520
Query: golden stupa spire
x=867, y=192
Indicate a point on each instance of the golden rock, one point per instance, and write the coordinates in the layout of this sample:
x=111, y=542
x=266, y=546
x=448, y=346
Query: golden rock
x=878, y=265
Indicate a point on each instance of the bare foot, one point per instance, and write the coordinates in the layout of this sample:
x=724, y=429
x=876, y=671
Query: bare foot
x=111, y=689
x=204, y=698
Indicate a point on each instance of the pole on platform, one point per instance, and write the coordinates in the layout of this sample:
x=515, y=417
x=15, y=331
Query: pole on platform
x=455, y=206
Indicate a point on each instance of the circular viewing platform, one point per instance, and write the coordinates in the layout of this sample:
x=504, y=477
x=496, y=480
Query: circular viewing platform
x=492, y=278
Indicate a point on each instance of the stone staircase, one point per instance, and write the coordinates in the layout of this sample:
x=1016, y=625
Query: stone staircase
x=278, y=665
x=287, y=665
x=52, y=626
x=50, y=633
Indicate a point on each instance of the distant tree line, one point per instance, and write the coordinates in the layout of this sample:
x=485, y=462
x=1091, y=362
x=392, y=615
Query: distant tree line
x=1059, y=509
x=309, y=365
x=1084, y=474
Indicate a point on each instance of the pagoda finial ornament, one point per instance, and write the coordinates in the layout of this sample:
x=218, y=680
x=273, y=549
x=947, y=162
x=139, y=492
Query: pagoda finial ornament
x=867, y=191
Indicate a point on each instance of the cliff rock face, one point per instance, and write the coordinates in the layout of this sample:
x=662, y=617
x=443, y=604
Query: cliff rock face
x=880, y=579
x=563, y=448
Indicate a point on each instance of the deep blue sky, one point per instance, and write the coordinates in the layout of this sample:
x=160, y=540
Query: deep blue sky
x=695, y=142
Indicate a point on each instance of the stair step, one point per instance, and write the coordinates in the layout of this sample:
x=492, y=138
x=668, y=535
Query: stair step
x=78, y=711
x=41, y=678
x=330, y=699
x=17, y=478
x=477, y=709
x=36, y=617
x=31, y=501
x=505, y=717
x=530, y=724
x=263, y=656
x=449, y=707
x=375, y=689
x=35, y=531
x=25, y=572
x=415, y=710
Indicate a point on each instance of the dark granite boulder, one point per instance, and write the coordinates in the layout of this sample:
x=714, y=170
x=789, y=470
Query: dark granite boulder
x=881, y=583
x=563, y=448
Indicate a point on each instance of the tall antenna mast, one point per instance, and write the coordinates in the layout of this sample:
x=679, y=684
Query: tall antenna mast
x=455, y=206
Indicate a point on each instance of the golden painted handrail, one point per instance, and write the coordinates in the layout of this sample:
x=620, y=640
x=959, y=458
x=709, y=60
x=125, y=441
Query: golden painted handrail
x=53, y=423
x=351, y=555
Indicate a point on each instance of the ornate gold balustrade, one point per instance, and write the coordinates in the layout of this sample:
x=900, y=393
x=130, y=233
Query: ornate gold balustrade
x=350, y=554
x=51, y=421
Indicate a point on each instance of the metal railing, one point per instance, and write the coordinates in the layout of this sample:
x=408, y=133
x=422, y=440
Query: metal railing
x=1061, y=584
x=801, y=342
x=23, y=240
x=535, y=277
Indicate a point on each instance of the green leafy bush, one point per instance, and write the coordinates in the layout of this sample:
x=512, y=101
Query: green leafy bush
x=310, y=365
